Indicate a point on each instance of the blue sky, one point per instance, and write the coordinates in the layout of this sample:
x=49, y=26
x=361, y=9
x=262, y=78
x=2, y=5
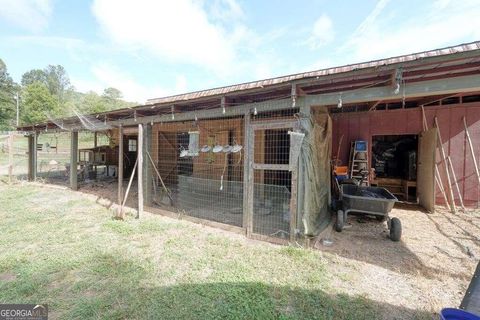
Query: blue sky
x=149, y=49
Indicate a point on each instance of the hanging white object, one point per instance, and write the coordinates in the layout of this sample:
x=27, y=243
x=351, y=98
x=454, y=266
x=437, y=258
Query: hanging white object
x=218, y=148
x=193, y=143
x=205, y=148
x=237, y=148
x=227, y=148
x=221, y=183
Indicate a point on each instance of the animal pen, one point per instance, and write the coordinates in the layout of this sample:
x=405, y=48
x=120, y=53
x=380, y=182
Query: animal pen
x=257, y=158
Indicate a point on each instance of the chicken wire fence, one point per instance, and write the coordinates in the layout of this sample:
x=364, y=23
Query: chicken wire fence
x=53, y=156
x=201, y=165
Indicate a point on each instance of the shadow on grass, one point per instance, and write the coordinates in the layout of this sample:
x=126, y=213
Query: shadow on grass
x=251, y=300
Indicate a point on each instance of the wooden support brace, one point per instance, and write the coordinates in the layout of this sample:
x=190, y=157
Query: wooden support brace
x=456, y=183
x=444, y=158
x=472, y=151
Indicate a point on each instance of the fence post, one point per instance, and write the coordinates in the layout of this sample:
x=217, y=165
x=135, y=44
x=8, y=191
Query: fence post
x=74, y=160
x=10, y=157
x=140, y=170
x=32, y=156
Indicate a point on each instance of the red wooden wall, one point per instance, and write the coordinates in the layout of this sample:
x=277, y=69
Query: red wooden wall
x=363, y=125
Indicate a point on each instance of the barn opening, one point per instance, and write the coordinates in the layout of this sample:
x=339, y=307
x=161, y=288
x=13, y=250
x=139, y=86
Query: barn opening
x=394, y=160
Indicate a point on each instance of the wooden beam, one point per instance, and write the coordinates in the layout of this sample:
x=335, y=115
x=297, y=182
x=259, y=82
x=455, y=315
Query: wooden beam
x=430, y=100
x=140, y=171
x=418, y=89
x=32, y=157
x=444, y=158
x=374, y=105
x=120, y=172
x=73, y=160
x=266, y=166
x=240, y=110
x=248, y=178
x=147, y=166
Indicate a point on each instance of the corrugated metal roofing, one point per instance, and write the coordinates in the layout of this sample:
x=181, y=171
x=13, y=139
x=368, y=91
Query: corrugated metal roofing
x=318, y=73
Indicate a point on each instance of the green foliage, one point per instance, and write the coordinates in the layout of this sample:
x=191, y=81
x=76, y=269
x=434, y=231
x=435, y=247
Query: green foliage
x=38, y=103
x=8, y=89
x=47, y=93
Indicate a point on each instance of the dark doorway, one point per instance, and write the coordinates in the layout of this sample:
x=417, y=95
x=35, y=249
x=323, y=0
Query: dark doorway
x=130, y=154
x=394, y=158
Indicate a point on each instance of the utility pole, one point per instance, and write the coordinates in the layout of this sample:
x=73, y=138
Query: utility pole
x=17, y=98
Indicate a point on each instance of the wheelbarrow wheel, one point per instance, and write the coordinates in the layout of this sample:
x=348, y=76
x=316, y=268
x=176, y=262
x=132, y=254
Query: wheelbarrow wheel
x=395, y=229
x=340, y=221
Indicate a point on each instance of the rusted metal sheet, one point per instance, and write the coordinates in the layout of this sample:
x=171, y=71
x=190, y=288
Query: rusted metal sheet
x=364, y=125
x=317, y=73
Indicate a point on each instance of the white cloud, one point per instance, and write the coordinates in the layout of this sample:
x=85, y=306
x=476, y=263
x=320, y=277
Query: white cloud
x=106, y=75
x=179, y=31
x=322, y=32
x=32, y=15
x=441, y=23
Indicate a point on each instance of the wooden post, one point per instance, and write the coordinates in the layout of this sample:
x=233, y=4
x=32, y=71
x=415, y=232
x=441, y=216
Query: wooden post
x=74, y=160
x=470, y=144
x=444, y=157
x=147, y=166
x=248, y=176
x=140, y=171
x=95, y=144
x=120, y=172
x=10, y=157
x=438, y=177
x=32, y=157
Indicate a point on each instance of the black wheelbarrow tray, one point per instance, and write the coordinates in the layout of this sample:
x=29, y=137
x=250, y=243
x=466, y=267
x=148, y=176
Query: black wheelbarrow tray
x=373, y=201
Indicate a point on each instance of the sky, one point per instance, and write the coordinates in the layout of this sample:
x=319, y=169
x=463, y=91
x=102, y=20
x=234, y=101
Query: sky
x=154, y=48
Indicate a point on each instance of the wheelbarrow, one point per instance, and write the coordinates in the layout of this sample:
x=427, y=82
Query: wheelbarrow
x=372, y=201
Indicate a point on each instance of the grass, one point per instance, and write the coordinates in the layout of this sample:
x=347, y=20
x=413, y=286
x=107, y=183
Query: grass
x=60, y=248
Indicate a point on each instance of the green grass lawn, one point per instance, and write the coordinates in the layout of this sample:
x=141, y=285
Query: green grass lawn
x=64, y=249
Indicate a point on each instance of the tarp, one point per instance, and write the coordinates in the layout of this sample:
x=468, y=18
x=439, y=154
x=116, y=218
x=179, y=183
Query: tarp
x=314, y=171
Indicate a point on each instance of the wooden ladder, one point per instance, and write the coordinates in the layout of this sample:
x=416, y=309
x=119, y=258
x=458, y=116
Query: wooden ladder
x=358, y=161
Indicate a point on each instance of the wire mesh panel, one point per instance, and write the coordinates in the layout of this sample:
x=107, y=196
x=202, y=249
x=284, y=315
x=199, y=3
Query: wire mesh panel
x=272, y=183
x=53, y=157
x=14, y=155
x=201, y=165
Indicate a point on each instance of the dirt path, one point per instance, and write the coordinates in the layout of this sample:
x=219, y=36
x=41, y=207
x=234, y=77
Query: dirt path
x=429, y=269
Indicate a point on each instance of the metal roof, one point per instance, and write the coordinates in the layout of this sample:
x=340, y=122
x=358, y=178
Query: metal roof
x=314, y=74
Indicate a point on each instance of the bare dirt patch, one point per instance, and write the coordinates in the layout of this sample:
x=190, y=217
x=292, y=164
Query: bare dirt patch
x=7, y=277
x=429, y=269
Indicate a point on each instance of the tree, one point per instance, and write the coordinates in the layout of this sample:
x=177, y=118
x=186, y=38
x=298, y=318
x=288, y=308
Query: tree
x=55, y=78
x=34, y=75
x=93, y=103
x=39, y=104
x=8, y=88
x=112, y=94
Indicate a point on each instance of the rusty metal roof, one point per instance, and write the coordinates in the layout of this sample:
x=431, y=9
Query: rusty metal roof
x=314, y=74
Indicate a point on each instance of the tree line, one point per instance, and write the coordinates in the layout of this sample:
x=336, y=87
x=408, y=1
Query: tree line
x=47, y=93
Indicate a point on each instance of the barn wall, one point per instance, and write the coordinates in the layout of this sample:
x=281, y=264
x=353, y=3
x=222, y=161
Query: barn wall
x=363, y=125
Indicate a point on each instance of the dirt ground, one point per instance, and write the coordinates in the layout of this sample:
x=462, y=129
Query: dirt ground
x=429, y=269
